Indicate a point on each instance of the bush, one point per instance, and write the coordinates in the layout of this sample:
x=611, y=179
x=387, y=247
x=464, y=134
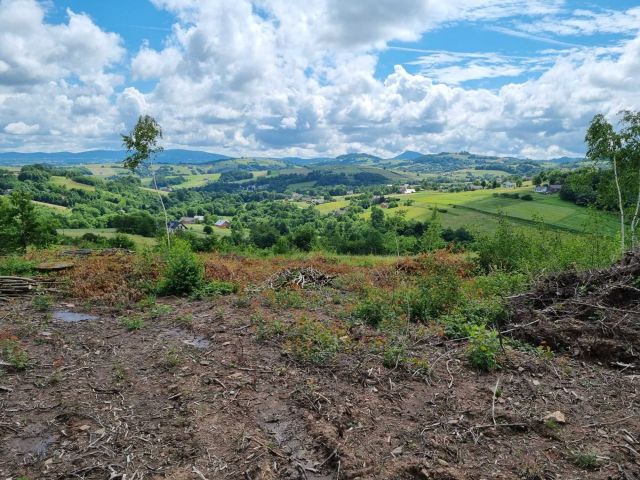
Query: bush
x=394, y=355
x=120, y=240
x=184, y=273
x=478, y=313
x=207, y=229
x=14, y=265
x=91, y=237
x=312, y=341
x=527, y=197
x=435, y=295
x=373, y=310
x=483, y=348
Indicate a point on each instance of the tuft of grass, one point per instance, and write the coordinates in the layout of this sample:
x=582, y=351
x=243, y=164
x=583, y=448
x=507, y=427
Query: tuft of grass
x=584, y=459
x=119, y=373
x=314, y=342
x=132, y=323
x=171, y=359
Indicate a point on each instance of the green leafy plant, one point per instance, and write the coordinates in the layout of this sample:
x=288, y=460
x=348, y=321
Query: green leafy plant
x=373, y=309
x=584, y=459
x=394, y=355
x=42, y=303
x=132, y=323
x=314, y=342
x=215, y=287
x=14, y=265
x=14, y=353
x=483, y=348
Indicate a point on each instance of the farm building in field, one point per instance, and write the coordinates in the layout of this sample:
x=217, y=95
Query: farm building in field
x=407, y=190
x=176, y=225
x=222, y=223
x=508, y=185
x=198, y=218
x=188, y=220
x=547, y=189
x=473, y=187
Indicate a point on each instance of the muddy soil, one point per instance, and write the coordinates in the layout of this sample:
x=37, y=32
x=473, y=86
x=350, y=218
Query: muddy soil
x=197, y=393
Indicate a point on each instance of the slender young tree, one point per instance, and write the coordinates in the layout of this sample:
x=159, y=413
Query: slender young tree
x=142, y=143
x=604, y=145
x=631, y=143
x=620, y=148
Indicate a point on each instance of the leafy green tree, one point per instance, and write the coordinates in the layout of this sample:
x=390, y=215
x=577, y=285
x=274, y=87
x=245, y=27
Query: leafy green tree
x=264, y=235
x=142, y=142
x=621, y=149
x=22, y=225
x=377, y=218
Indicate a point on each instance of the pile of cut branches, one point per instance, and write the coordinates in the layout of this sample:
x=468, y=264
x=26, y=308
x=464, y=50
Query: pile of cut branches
x=591, y=314
x=299, y=278
x=19, y=286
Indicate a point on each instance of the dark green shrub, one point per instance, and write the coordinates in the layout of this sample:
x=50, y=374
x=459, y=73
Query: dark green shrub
x=14, y=265
x=373, y=310
x=184, y=273
x=120, y=240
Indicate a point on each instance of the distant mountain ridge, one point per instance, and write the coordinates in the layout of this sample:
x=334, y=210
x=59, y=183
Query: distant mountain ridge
x=433, y=162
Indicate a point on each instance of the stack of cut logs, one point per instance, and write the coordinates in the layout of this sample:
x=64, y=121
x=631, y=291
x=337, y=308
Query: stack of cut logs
x=18, y=286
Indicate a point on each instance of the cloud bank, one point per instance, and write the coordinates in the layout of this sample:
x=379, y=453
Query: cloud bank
x=292, y=77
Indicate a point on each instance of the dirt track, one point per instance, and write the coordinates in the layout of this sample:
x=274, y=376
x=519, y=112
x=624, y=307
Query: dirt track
x=209, y=399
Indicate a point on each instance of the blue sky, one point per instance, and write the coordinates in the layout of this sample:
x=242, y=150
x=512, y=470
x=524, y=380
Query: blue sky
x=317, y=77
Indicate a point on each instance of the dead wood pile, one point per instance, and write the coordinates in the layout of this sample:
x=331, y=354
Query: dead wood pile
x=307, y=277
x=19, y=286
x=592, y=314
x=86, y=252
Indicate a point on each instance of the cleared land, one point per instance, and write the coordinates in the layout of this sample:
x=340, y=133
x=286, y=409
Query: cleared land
x=220, y=388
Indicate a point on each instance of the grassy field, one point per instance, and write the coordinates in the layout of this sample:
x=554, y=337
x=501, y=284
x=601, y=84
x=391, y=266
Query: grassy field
x=482, y=208
x=69, y=184
x=105, y=170
x=198, y=228
x=57, y=208
x=139, y=240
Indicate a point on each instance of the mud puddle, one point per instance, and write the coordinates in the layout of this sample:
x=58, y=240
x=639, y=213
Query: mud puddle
x=67, y=316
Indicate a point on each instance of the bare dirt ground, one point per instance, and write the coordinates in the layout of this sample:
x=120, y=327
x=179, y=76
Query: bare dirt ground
x=199, y=392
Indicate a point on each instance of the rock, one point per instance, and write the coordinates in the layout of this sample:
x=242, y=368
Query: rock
x=556, y=416
x=536, y=383
x=397, y=451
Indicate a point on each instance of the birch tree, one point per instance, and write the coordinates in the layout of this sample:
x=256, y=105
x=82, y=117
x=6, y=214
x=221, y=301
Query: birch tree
x=142, y=143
